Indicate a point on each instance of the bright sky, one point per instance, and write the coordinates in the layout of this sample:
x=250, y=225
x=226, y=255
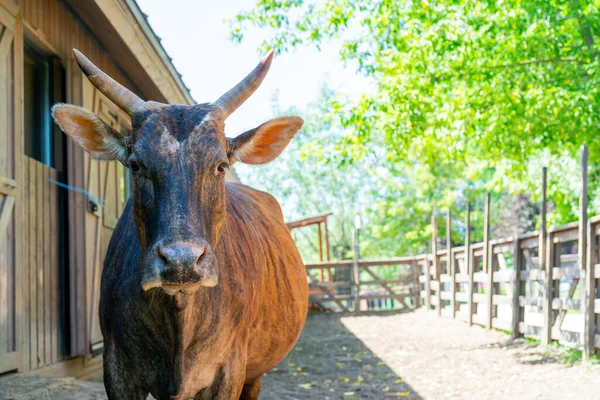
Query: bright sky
x=196, y=35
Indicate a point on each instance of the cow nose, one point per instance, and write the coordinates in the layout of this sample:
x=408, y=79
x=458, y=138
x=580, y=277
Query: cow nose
x=182, y=255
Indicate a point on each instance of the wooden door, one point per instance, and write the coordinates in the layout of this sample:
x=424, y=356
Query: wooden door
x=9, y=191
x=105, y=184
x=41, y=265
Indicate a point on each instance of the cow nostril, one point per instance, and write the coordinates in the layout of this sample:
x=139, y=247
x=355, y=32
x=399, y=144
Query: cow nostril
x=162, y=254
x=199, y=255
x=183, y=255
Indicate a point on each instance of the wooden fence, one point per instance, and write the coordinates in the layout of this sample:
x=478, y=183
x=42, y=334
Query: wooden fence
x=542, y=284
x=360, y=285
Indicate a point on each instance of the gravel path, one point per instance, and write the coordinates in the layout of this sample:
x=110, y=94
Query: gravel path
x=421, y=356
x=413, y=355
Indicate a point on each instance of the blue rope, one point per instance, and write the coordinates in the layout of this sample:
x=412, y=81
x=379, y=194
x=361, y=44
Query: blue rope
x=93, y=198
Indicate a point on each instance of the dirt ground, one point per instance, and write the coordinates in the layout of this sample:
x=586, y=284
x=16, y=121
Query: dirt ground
x=413, y=355
x=421, y=356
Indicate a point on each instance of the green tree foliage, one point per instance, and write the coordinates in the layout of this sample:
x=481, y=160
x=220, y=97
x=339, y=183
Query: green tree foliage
x=469, y=96
x=311, y=177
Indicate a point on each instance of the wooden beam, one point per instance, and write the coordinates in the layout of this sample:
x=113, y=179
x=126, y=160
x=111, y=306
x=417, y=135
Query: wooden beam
x=6, y=213
x=328, y=290
x=320, y=243
x=327, y=247
x=427, y=283
x=20, y=309
x=386, y=287
x=308, y=221
x=516, y=285
x=320, y=233
x=356, y=273
x=127, y=22
x=545, y=248
x=436, y=264
x=9, y=186
x=416, y=284
x=588, y=292
x=11, y=6
x=450, y=263
x=329, y=271
x=488, y=265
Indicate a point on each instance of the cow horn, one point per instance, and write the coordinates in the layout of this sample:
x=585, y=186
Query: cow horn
x=124, y=98
x=237, y=95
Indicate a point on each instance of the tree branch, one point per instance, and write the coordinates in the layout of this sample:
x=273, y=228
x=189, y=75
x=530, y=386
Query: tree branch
x=530, y=62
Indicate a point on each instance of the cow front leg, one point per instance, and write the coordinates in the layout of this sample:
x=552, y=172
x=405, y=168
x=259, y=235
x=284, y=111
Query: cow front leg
x=228, y=383
x=251, y=390
x=118, y=385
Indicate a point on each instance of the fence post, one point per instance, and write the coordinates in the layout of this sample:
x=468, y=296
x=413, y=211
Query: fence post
x=356, y=271
x=588, y=293
x=517, y=286
x=450, y=262
x=427, y=283
x=544, y=249
x=436, y=266
x=488, y=266
x=469, y=265
x=415, y=268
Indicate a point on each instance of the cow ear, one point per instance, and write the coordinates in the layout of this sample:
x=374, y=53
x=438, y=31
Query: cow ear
x=96, y=137
x=265, y=142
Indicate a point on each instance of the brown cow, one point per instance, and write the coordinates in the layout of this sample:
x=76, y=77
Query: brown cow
x=203, y=290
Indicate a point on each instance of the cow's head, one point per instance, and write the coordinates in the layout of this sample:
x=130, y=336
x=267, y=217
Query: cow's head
x=178, y=156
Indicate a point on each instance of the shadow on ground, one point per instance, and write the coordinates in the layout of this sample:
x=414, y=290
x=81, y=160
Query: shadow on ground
x=528, y=353
x=330, y=362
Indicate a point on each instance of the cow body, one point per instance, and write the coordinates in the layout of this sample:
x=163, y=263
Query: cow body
x=223, y=337
x=203, y=289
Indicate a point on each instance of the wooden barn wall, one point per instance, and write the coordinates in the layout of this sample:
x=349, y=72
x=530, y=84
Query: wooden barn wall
x=54, y=30
x=41, y=300
x=10, y=207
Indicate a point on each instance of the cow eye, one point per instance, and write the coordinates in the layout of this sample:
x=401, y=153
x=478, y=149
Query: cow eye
x=135, y=166
x=222, y=167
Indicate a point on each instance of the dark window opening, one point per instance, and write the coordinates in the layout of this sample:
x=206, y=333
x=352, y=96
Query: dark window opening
x=43, y=86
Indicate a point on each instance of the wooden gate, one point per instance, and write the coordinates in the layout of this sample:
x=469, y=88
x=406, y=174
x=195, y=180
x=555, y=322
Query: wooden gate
x=9, y=191
x=372, y=284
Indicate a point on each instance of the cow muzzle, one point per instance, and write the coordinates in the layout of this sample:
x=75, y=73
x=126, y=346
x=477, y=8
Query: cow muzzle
x=182, y=267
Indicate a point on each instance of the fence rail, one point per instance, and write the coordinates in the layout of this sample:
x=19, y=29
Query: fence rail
x=543, y=283
x=521, y=292
x=361, y=285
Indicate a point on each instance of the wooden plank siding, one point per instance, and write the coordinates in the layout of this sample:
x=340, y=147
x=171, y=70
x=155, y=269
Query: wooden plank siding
x=56, y=31
x=38, y=277
x=41, y=265
x=10, y=229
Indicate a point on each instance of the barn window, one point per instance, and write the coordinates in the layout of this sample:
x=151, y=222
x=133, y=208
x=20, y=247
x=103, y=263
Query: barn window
x=42, y=76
